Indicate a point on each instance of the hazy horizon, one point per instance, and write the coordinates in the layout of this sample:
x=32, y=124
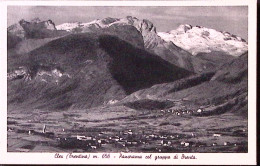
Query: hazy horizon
x=231, y=19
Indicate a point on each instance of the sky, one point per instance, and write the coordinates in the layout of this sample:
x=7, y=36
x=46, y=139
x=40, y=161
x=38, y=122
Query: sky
x=165, y=18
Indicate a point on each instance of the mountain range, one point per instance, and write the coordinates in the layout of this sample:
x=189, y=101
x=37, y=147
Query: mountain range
x=118, y=85
x=84, y=65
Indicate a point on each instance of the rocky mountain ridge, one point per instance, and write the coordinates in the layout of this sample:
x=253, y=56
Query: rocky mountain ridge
x=210, y=45
x=145, y=27
x=194, y=39
x=197, y=39
x=178, y=52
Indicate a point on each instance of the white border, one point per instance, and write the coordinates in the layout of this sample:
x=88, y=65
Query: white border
x=202, y=158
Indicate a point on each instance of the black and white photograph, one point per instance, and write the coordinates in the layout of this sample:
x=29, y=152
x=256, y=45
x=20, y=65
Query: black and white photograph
x=128, y=79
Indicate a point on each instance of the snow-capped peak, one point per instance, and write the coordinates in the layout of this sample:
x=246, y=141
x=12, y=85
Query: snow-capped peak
x=194, y=39
x=68, y=26
x=84, y=26
x=201, y=39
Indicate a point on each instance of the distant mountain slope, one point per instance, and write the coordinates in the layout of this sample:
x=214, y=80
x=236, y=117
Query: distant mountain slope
x=16, y=30
x=12, y=40
x=234, y=71
x=152, y=42
x=34, y=29
x=204, y=40
x=223, y=91
x=86, y=70
x=28, y=45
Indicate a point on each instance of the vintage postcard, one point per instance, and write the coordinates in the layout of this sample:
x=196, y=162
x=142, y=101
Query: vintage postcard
x=128, y=82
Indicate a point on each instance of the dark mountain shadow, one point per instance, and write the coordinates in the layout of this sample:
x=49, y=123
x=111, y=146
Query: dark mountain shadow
x=94, y=68
x=135, y=68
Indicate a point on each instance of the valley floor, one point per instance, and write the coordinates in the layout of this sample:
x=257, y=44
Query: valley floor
x=117, y=128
